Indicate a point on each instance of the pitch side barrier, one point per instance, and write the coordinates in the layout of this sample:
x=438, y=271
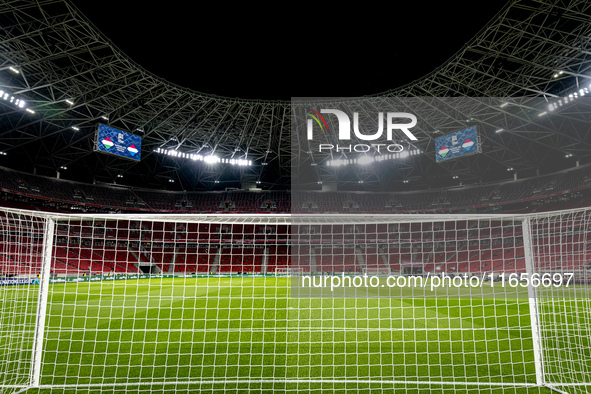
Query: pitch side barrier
x=103, y=278
x=18, y=281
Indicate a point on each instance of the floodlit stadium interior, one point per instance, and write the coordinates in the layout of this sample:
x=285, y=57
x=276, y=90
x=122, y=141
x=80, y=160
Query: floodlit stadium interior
x=153, y=235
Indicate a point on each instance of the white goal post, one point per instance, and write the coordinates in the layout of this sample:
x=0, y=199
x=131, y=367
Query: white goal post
x=196, y=303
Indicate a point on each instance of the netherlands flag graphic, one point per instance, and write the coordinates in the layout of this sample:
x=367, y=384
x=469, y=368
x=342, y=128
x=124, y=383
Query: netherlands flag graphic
x=467, y=144
x=132, y=149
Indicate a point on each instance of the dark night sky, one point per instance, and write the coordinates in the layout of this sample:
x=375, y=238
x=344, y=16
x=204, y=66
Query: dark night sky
x=301, y=51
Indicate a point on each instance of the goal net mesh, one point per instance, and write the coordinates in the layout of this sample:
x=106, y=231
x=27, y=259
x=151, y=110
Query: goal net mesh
x=163, y=303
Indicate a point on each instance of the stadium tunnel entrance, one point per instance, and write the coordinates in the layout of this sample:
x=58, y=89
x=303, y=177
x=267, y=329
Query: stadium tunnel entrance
x=150, y=269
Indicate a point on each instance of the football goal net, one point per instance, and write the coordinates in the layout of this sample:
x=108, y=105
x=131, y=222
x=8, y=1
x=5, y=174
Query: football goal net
x=277, y=303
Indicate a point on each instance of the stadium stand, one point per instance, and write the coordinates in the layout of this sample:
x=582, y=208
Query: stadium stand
x=562, y=190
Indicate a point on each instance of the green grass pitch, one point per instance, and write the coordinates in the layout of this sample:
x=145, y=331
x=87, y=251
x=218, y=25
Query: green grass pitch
x=214, y=334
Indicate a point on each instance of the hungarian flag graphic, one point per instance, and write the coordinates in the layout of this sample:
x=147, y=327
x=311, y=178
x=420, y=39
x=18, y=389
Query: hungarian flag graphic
x=443, y=151
x=107, y=143
x=467, y=144
x=132, y=149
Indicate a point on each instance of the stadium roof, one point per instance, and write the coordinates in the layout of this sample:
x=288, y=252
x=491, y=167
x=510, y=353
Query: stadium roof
x=73, y=77
x=235, y=52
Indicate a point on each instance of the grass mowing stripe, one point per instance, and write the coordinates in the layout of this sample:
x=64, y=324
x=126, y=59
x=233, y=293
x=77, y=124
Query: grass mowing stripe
x=232, y=329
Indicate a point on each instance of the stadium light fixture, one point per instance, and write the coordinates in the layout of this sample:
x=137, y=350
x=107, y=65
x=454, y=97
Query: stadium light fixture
x=238, y=162
x=211, y=159
x=69, y=102
x=363, y=160
x=580, y=92
x=14, y=70
x=337, y=162
x=12, y=99
x=75, y=128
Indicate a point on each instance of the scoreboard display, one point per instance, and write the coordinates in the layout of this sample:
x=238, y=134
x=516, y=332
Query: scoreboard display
x=458, y=144
x=117, y=142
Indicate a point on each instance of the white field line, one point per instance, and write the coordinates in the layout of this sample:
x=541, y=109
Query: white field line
x=281, y=329
x=300, y=381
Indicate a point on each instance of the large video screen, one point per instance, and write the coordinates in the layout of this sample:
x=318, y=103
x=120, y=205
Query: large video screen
x=458, y=144
x=117, y=142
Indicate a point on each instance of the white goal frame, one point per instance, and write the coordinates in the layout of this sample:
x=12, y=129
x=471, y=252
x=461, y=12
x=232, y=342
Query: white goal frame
x=528, y=223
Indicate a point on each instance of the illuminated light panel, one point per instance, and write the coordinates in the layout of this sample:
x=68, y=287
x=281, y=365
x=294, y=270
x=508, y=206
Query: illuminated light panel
x=364, y=160
x=209, y=159
x=581, y=92
x=12, y=99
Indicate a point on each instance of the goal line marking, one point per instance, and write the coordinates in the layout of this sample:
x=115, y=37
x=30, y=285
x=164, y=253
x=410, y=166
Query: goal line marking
x=281, y=329
x=297, y=381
